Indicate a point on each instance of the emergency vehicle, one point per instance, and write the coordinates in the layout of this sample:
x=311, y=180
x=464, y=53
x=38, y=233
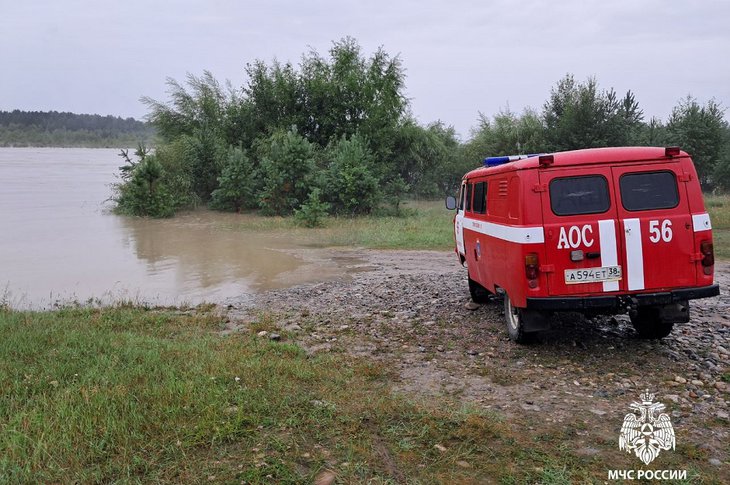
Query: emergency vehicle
x=597, y=231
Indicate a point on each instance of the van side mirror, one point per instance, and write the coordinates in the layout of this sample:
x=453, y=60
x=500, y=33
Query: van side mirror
x=451, y=202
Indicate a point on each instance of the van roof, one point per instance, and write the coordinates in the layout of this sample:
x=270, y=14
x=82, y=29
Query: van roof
x=586, y=156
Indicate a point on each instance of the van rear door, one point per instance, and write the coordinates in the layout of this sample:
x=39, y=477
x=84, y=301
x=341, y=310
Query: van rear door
x=580, y=217
x=656, y=226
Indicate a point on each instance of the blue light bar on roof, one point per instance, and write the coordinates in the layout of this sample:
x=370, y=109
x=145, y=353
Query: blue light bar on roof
x=494, y=161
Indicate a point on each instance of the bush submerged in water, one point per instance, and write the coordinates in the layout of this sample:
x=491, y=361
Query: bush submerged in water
x=144, y=193
x=154, y=185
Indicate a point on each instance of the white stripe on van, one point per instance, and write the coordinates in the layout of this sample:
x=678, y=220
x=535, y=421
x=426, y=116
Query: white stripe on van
x=634, y=254
x=609, y=253
x=515, y=234
x=701, y=222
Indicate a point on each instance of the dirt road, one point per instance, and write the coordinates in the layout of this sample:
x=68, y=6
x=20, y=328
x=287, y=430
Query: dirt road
x=406, y=310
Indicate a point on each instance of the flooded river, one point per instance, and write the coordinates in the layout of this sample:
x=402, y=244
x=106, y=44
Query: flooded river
x=59, y=243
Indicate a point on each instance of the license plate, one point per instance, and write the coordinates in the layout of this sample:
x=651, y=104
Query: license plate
x=592, y=275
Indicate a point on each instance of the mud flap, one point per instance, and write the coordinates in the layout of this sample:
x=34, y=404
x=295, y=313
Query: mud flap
x=535, y=321
x=674, y=312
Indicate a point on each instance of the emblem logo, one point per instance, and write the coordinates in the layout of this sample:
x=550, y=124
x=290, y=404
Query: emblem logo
x=648, y=432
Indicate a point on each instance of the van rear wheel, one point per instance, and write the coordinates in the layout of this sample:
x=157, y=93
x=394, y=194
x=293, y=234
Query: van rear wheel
x=648, y=323
x=515, y=322
x=478, y=293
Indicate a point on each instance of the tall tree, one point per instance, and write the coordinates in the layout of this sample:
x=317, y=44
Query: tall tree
x=700, y=131
x=578, y=115
x=288, y=172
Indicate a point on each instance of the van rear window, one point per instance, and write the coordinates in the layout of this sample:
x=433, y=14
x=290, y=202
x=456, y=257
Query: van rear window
x=649, y=190
x=570, y=196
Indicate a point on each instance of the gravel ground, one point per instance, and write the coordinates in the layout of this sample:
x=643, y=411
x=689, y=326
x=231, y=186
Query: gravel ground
x=408, y=311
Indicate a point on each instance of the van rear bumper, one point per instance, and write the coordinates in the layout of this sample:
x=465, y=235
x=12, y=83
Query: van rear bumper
x=616, y=301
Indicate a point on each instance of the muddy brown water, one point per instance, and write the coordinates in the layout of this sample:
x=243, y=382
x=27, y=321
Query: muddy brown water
x=59, y=243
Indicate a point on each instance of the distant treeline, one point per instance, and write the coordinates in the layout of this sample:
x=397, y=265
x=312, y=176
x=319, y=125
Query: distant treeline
x=335, y=135
x=62, y=129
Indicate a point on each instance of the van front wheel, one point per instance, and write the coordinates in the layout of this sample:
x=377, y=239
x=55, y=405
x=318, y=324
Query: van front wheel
x=649, y=325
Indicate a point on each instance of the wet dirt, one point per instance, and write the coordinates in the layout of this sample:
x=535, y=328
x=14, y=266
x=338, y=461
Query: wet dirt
x=408, y=313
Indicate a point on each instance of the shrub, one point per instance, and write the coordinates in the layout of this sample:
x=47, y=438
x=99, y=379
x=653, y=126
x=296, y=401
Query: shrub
x=145, y=193
x=313, y=212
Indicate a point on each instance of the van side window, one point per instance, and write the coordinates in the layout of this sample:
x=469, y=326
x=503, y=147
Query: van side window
x=468, y=197
x=579, y=195
x=461, y=197
x=649, y=190
x=480, y=198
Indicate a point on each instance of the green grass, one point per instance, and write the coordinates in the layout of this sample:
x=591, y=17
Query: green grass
x=428, y=225
x=130, y=395
x=422, y=225
x=718, y=206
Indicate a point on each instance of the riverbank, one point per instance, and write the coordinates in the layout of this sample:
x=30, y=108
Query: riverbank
x=128, y=394
x=383, y=376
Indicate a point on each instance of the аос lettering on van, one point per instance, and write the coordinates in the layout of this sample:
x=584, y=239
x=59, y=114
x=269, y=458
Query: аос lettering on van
x=598, y=231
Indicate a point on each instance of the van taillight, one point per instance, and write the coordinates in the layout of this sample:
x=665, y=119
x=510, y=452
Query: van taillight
x=531, y=269
x=708, y=256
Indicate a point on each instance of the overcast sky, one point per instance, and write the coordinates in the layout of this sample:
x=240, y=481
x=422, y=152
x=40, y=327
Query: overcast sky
x=461, y=57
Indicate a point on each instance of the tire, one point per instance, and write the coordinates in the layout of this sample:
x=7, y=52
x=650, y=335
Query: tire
x=478, y=293
x=649, y=325
x=515, y=322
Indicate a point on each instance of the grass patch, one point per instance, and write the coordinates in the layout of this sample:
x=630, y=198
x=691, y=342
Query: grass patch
x=427, y=225
x=718, y=206
x=423, y=225
x=133, y=395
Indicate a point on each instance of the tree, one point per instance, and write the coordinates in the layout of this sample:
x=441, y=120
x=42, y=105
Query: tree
x=282, y=117
x=700, y=131
x=653, y=133
x=426, y=158
x=578, y=115
x=349, y=93
x=200, y=107
x=721, y=173
x=272, y=100
x=197, y=113
x=507, y=134
x=351, y=186
x=237, y=183
x=288, y=171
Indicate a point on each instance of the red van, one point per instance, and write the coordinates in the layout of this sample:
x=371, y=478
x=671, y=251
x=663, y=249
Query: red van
x=605, y=230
